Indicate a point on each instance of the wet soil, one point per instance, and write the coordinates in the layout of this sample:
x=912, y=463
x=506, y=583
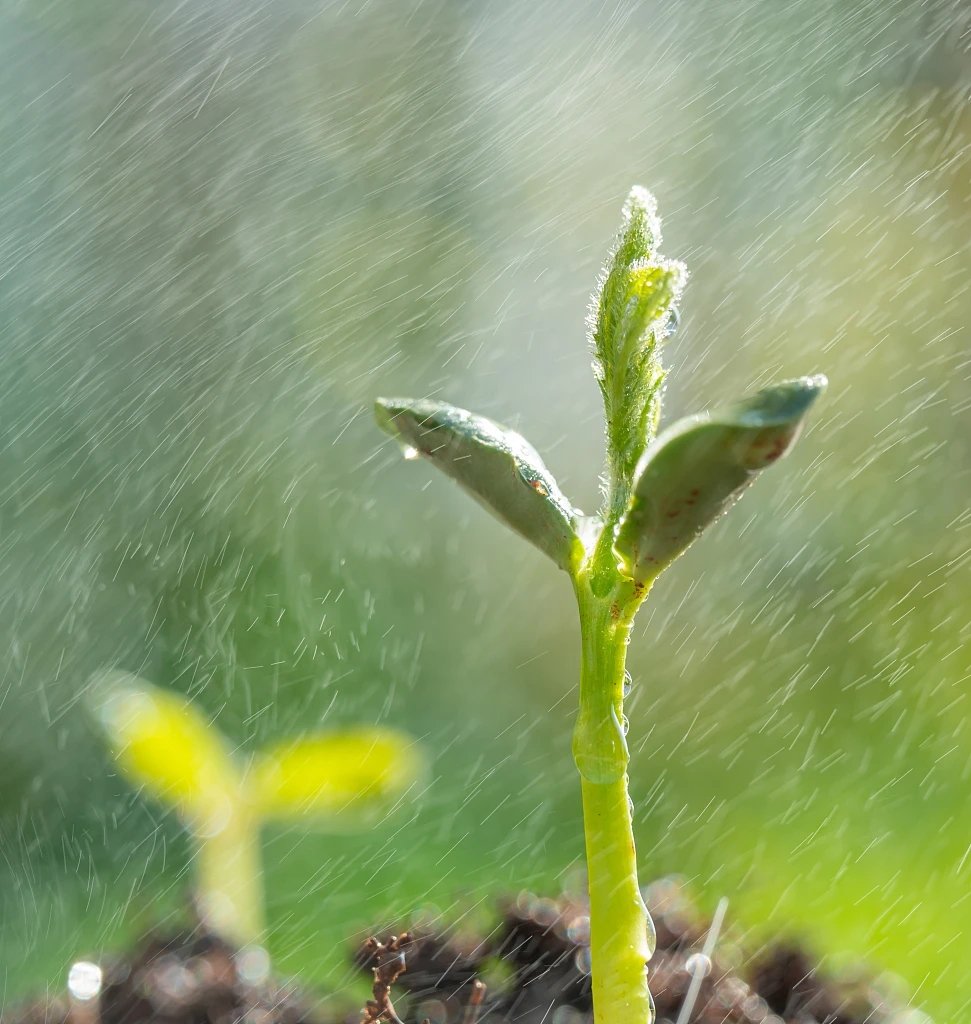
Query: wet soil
x=531, y=969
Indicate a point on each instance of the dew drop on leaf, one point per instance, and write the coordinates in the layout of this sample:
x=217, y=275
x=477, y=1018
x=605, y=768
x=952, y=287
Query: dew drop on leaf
x=673, y=322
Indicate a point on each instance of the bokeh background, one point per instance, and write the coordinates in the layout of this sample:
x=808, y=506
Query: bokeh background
x=226, y=225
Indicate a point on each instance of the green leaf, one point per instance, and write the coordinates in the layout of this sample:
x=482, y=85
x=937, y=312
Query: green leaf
x=341, y=780
x=698, y=468
x=497, y=466
x=630, y=315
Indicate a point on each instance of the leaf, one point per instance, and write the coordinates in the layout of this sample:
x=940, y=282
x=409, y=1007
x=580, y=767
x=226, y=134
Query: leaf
x=339, y=778
x=497, y=466
x=631, y=314
x=162, y=743
x=699, y=467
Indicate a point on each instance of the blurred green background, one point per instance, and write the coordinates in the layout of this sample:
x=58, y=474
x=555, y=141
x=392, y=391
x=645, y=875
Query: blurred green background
x=226, y=226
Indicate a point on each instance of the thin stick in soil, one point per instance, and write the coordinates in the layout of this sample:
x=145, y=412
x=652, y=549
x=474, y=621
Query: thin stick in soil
x=390, y=965
x=474, y=1005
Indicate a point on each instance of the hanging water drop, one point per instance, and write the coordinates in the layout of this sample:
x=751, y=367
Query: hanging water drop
x=651, y=933
x=673, y=322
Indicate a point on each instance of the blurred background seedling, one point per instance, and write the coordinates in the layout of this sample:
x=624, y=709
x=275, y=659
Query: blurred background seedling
x=336, y=781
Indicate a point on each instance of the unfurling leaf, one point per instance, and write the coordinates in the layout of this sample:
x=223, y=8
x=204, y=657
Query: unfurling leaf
x=162, y=743
x=700, y=466
x=342, y=779
x=497, y=466
x=631, y=313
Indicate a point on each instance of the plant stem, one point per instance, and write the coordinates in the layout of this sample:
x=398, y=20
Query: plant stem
x=619, y=924
x=230, y=880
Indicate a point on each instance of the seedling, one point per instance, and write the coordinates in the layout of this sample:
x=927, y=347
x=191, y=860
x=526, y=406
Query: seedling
x=338, y=781
x=659, y=494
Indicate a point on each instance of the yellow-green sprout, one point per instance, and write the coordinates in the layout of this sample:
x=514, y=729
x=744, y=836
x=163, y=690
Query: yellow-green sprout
x=338, y=780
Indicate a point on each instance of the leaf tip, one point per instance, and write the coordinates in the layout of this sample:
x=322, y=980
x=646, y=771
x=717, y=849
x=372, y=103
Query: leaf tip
x=782, y=404
x=387, y=412
x=640, y=217
x=115, y=699
x=384, y=413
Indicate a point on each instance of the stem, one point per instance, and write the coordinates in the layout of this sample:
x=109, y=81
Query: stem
x=230, y=877
x=619, y=923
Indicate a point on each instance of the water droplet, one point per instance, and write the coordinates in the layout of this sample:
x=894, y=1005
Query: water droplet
x=410, y=453
x=698, y=963
x=755, y=1007
x=628, y=684
x=84, y=980
x=582, y=960
x=525, y=902
x=253, y=965
x=651, y=934
x=545, y=912
x=630, y=808
x=624, y=724
x=673, y=322
x=174, y=982
x=578, y=930
x=653, y=1016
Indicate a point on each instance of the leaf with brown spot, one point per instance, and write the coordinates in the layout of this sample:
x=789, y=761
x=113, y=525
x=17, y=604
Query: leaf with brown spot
x=698, y=469
x=497, y=466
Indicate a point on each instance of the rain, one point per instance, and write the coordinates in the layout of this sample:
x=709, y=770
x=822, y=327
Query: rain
x=226, y=228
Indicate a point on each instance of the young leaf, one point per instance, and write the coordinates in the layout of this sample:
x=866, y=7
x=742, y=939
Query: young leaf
x=497, y=466
x=631, y=313
x=339, y=778
x=699, y=467
x=162, y=743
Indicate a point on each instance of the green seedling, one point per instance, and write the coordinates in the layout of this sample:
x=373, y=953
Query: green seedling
x=338, y=781
x=659, y=494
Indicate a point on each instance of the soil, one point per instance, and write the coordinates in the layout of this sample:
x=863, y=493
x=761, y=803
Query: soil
x=530, y=970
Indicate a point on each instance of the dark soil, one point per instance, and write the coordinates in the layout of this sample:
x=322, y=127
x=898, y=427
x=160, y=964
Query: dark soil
x=532, y=965
x=192, y=977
